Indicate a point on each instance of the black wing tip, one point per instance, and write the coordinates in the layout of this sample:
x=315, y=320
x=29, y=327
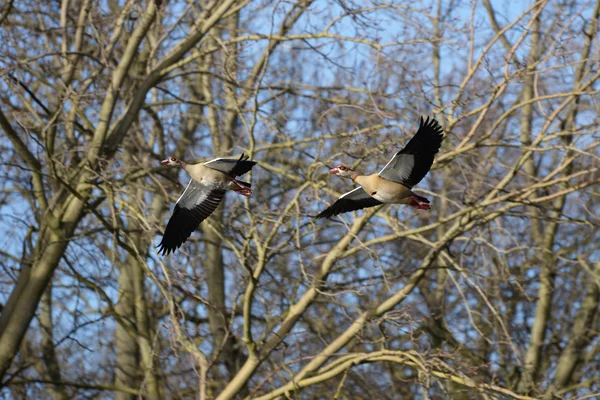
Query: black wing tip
x=165, y=250
x=323, y=214
x=327, y=213
x=166, y=247
x=245, y=157
x=431, y=124
x=243, y=165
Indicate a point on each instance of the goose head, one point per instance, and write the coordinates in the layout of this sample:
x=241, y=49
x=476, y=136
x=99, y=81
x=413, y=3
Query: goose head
x=342, y=170
x=171, y=161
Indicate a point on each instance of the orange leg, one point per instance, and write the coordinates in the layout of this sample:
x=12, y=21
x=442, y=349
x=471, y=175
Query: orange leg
x=241, y=189
x=418, y=202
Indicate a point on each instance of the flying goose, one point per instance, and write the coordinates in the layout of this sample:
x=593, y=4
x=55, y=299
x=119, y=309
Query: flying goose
x=202, y=195
x=393, y=184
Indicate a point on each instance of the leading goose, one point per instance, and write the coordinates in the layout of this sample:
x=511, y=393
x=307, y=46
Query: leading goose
x=393, y=184
x=202, y=195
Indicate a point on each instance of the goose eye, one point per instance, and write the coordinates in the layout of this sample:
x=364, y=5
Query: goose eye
x=342, y=168
x=172, y=158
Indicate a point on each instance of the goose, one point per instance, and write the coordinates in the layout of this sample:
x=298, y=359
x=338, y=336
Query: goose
x=393, y=184
x=202, y=196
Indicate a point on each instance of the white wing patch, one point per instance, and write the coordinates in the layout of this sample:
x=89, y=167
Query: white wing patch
x=386, y=165
x=406, y=162
x=215, y=160
x=352, y=191
x=193, y=195
x=186, y=189
x=401, y=169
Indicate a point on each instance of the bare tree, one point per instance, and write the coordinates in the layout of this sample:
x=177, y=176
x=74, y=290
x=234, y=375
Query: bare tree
x=491, y=294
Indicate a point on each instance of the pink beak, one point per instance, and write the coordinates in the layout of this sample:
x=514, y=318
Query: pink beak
x=335, y=170
x=165, y=162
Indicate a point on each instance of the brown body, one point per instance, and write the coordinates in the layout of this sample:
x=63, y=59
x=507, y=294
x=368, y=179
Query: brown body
x=208, y=176
x=384, y=190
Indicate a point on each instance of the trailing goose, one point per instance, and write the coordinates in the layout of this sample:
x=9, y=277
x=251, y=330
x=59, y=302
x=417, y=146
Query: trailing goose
x=202, y=196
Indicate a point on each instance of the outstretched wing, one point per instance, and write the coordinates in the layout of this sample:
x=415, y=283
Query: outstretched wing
x=195, y=205
x=410, y=165
x=230, y=166
x=356, y=199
